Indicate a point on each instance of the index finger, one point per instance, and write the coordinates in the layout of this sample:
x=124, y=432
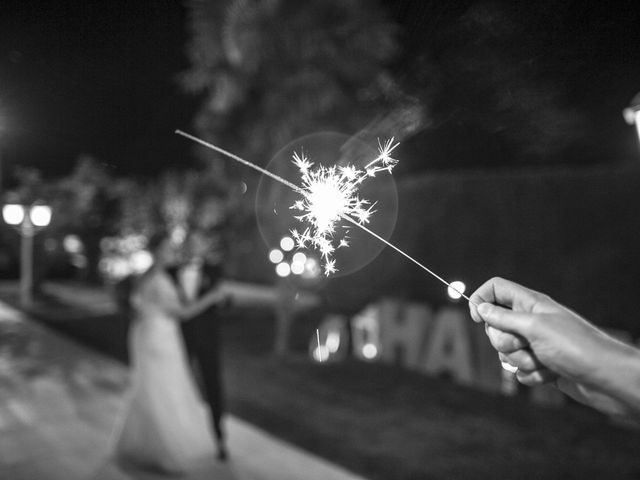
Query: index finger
x=502, y=292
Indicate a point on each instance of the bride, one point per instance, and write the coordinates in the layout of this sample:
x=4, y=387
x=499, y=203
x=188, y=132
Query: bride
x=166, y=426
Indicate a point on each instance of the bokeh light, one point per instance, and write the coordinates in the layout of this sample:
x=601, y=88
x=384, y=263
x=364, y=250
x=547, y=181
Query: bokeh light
x=72, y=244
x=369, y=351
x=297, y=268
x=299, y=257
x=283, y=269
x=312, y=268
x=287, y=244
x=276, y=256
x=321, y=353
x=333, y=342
x=141, y=261
x=456, y=289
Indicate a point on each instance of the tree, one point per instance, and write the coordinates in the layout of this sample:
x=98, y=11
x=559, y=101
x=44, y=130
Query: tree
x=515, y=83
x=273, y=70
x=172, y=205
x=86, y=204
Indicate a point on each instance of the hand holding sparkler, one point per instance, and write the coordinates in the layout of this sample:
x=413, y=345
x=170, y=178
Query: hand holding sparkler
x=546, y=342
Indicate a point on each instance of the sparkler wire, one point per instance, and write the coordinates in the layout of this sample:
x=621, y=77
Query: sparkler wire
x=299, y=190
x=319, y=350
x=264, y=171
x=406, y=255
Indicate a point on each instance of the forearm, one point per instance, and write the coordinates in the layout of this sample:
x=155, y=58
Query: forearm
x=617, y=374
x=186, y=312
x=197, y=307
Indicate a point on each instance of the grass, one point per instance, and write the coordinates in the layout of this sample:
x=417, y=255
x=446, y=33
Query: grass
x=388, y=423
x=384, y=422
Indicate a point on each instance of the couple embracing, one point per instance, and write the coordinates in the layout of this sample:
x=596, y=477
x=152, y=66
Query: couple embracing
x=174, y=345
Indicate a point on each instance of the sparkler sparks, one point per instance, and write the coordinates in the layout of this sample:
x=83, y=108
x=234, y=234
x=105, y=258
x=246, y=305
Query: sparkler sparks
x=330, y=194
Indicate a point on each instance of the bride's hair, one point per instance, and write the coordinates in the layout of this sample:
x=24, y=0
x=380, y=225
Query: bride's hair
x=125, y=287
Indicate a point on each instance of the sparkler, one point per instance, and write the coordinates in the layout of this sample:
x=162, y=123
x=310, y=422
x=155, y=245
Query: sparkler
x=328, y=195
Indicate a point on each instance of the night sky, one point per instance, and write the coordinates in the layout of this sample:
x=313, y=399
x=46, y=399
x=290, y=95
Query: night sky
x=100, y=77
x=92, y=77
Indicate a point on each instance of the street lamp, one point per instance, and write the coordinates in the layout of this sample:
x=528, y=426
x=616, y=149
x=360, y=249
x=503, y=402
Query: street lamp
x=28, y=219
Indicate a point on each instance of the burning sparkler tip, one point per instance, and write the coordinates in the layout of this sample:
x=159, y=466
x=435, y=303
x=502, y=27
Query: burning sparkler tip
x=329, y=195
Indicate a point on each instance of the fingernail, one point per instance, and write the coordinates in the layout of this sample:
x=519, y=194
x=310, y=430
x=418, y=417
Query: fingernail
x=484, y=309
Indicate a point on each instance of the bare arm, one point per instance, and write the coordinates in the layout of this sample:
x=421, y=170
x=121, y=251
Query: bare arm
x=214, y=296
x=162, y=292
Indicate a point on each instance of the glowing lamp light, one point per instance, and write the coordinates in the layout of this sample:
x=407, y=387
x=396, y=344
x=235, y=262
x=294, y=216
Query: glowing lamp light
x=456, y=289
x=276, y=256
x=333, y=342
x=72, y=244
x=13, y=214
x=27, y=220
x=141, y=261
x=40, y=215
x=283, y=269
x=369, y=351
x=287, y=244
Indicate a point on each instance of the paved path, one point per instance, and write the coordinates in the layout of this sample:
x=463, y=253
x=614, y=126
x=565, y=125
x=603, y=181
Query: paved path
x=59, y=403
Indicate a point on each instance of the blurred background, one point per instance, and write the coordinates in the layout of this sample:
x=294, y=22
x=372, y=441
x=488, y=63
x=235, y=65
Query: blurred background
x=519, y=156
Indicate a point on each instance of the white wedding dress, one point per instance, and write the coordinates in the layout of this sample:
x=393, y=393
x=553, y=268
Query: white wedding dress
x=166, y=427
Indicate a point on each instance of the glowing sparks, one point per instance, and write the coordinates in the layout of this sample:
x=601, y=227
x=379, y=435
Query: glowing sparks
x=330, y=194
x=383, y=161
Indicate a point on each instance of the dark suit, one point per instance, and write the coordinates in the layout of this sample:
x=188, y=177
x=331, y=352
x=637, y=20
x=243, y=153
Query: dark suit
x=202, y=340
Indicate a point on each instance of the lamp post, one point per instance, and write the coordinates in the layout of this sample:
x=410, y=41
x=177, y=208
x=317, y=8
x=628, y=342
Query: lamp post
x=28, y=219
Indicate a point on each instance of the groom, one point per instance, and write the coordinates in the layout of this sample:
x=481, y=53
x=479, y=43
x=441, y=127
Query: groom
x=202, y=332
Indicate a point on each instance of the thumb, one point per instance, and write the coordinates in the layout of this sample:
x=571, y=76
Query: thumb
x=505, y=319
